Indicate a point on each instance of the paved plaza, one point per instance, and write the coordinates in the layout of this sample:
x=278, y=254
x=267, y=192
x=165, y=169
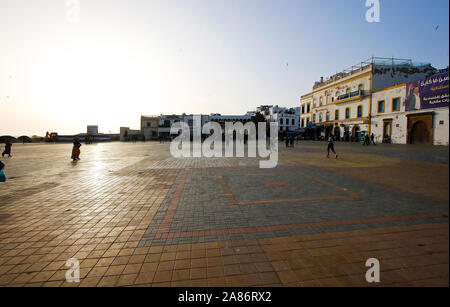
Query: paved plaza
x=134, y=216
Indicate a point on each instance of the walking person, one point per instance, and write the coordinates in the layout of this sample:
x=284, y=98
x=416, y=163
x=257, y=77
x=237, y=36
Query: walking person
x=2, y=174
x=331, y=147
x=366, y=140
x=372, y=139
x=7, y=151
x=76, y=149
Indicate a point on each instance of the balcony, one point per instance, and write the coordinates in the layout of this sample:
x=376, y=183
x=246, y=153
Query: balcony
x=352, y=96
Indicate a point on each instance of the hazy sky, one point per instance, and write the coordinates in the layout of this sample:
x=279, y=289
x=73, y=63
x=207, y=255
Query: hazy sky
x=127, y=58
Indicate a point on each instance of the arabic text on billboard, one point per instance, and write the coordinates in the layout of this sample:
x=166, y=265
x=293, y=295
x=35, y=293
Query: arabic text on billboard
x=428, y=93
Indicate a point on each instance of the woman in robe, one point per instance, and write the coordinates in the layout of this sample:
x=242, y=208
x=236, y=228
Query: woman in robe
x=76, y=149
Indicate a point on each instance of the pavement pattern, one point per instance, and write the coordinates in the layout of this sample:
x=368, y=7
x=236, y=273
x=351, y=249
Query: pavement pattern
x=134, y=216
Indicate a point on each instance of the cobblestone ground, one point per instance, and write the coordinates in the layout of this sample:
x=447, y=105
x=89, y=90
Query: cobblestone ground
x=134, y=216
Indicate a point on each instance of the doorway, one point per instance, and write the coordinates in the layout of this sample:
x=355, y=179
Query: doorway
x=419, y=134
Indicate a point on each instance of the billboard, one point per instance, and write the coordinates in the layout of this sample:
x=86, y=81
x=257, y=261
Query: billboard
x=432, y=92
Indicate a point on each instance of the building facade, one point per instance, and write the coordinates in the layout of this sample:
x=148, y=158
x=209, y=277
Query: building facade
x=399, y=118
x=287, y=118
x=342, y=105
x=149, y=127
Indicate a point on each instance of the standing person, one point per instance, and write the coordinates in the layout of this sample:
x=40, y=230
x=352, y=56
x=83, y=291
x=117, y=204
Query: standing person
x=2, y=174
x=287, y=141
x=76, y=149
x=7, y=151
x=366, y=140
x=292, y=141
x=372, y=139
x=331, y=147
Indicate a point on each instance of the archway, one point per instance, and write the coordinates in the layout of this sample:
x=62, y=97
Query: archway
x=356, y=134
x=419, y=134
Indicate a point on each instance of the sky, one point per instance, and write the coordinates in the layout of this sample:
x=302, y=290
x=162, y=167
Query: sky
x=125, y=58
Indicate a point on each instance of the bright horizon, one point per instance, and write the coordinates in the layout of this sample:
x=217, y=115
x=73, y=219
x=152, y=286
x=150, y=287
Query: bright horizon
x=124, y=59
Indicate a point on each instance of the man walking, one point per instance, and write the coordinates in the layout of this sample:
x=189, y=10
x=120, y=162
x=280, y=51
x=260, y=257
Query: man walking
x=372, y=139
x=331, y=147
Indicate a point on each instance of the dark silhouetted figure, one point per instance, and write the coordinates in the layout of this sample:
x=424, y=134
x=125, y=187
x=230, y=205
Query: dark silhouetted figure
x=331, y=147
x=76, y=149
x=7, y=151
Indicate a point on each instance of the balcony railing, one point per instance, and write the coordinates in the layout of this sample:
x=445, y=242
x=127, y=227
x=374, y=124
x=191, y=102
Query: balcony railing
x=352, y=94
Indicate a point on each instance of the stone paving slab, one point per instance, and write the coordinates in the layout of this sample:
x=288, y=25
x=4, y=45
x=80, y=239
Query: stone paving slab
x=133, y=216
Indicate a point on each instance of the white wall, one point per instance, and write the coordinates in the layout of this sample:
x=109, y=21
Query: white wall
x=440, y=135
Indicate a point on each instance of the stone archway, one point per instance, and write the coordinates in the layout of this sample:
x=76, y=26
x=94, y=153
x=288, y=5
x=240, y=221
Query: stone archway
x=419, y=134
x=356, y=133
x=420, y=128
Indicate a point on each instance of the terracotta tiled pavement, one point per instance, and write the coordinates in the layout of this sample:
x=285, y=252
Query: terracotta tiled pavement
x=133, y=216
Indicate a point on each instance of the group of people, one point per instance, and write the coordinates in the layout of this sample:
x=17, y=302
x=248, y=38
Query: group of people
x=369, y=140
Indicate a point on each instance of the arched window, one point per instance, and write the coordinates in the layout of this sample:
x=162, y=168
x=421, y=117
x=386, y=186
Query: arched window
x=336, y=115
x=361, y=87
x=347, y=113
x=360, y=111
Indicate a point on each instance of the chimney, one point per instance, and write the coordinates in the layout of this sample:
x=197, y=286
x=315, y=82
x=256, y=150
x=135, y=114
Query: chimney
x=321, y=79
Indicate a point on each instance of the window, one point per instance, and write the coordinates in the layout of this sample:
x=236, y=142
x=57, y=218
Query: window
x=347, y=91
x=360, y=111
x=361, y=87
x=281, y=122
x=320, y=117
x=336, y=115
x=308, y=108
x=327, y=116
x=321, y=100
x=303, y=109
x=395, y=104
x=314, y=118
x=381, y=106
x=347, y=113
x=293, y=122
x=303, y=123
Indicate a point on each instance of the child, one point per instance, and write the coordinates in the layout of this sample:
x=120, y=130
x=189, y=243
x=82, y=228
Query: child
x=2, y=174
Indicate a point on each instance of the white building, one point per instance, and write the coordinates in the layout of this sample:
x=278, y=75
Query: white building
x=287, y=118
x=342, y=104
x=392, y=121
